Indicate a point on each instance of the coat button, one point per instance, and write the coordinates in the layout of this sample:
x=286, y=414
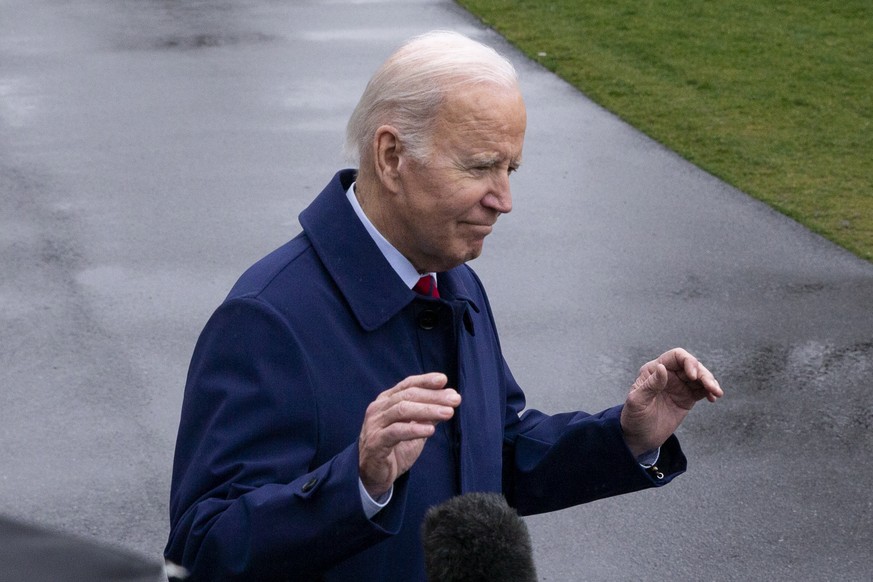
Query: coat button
x=655, y=472
x=307, y=487
x=427, y=319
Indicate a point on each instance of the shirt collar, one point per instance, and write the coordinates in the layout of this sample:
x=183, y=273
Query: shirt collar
x=373, y=289
x=401, y=265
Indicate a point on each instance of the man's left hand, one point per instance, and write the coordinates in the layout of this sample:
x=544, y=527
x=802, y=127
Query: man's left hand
x=663, y=394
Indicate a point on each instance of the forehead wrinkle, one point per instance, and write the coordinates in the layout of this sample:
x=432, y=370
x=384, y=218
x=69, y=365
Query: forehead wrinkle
x=477, y=124
x=477, y=105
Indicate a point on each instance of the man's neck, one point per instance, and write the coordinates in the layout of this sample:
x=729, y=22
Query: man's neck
x=401, y=265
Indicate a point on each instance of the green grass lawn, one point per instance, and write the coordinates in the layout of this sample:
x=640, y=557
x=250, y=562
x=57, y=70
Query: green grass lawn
x=775, y=98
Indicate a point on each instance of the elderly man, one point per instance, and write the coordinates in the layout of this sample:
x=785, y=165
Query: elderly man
x=353, y=378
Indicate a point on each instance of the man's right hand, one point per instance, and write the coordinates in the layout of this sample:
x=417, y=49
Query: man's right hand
x=396, y=426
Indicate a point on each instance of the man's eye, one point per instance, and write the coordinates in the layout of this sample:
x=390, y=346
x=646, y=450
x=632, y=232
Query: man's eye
x=485, y=168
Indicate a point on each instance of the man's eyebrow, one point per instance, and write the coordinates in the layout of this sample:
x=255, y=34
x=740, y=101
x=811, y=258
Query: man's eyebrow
x=493, y=159
x=486, y=158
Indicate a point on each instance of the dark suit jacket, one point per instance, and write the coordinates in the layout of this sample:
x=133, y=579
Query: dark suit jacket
x=265, y=480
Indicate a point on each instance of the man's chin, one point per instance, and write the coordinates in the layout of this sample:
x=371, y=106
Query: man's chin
x=474, y=251
x=447, y=262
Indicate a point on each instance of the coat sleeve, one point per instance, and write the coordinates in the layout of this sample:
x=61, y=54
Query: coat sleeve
x=246, y=502
x=556, y=461
x=551, y=462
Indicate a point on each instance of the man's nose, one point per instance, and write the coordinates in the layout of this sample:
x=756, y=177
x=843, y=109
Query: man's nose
x=500, y=195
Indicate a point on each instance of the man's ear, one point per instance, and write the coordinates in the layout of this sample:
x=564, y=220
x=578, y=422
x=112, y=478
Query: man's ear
x=387, y=151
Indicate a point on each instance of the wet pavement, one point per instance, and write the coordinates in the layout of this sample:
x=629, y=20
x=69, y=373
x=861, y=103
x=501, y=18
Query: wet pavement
x=151, y=150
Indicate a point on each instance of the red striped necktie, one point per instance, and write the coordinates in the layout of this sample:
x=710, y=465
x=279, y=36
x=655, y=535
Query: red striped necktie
x=427, y=286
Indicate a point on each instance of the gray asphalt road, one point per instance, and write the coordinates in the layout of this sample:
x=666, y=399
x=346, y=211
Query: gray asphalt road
x=150, y=151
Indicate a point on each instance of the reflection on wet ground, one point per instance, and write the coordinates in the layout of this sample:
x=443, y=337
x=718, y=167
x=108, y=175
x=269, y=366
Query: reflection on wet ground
x=795, y=394
x=207, y=40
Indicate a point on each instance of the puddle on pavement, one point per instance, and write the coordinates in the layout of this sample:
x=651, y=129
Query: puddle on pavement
x=800, y=394
x=208, y=40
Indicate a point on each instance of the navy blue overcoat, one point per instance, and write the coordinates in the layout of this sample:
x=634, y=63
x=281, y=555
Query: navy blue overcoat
x=265, y=479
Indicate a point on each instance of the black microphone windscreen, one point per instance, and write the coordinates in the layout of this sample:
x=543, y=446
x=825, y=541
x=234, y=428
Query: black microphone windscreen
x=477, y=537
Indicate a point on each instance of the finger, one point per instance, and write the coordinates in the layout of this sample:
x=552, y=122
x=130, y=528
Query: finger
x=674, y=360
x=417, y=405
x=687, y=364
x=380, y=443
x=385, y=429
x=648, y=368
x=687, y=367
x=427, y=382
x=430, y=381
x=443, y=397
x=701, y=376
x=713, y=389
x=397, y=432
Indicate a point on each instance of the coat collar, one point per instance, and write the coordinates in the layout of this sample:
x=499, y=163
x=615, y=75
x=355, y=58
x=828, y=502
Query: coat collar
x=371, y=287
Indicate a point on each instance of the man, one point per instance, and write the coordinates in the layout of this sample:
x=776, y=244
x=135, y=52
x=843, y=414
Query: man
x=353, y=378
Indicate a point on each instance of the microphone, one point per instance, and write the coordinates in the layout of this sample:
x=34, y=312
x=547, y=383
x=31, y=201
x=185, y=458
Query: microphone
x=476, y=537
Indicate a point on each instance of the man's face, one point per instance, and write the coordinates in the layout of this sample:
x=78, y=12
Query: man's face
x=447, y=204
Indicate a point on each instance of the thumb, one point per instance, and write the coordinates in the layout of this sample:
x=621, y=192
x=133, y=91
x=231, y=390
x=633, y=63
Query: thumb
x=657, y=381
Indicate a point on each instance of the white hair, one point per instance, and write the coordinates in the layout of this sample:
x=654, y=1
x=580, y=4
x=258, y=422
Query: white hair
x=406, y=91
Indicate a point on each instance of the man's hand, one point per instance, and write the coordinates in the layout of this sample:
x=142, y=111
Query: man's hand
x=396, y=426
x=663, y=394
